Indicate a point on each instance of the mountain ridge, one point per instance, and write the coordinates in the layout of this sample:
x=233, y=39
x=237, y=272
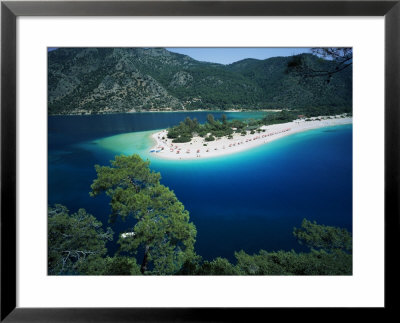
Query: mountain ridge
x=120, y=80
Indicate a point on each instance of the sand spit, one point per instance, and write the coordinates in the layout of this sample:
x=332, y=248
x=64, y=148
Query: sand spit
x=199, y=148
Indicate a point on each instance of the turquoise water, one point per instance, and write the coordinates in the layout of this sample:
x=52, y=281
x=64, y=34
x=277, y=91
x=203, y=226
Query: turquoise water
x=250, y=200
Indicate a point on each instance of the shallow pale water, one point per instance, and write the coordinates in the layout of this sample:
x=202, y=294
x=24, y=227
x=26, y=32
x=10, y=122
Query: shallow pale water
x=250, y=200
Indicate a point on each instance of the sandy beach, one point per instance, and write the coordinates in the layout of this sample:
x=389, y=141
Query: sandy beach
x=199, y=148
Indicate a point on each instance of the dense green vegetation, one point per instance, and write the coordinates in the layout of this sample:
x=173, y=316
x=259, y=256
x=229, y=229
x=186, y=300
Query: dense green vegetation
x=315, y=262
x=212, y=129
x=105, y=80
x=162, y=230
x=74, y=240
x=161, y=241
x=330, y=254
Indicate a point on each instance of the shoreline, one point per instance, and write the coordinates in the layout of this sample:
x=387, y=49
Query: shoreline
x=195, y=149
x=163, y=111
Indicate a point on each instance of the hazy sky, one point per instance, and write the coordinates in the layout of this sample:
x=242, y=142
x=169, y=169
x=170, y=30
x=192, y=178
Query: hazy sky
x=228, y=55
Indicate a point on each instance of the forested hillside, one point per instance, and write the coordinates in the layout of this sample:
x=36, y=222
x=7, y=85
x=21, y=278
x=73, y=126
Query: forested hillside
x=111, y=80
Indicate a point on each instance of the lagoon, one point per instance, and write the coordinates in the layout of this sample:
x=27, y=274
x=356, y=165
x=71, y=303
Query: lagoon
x=250, y=200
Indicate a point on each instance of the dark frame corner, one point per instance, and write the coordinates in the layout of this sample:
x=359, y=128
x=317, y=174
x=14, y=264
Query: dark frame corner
x=10, y=10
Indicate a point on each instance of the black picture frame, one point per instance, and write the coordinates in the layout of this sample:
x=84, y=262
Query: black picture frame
x=10, y=10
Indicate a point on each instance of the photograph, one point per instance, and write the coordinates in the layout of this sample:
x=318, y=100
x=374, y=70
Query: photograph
x=200, y=161
x=168, y=161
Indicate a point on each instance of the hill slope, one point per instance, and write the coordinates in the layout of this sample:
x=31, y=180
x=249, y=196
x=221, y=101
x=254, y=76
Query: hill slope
x=111, y=80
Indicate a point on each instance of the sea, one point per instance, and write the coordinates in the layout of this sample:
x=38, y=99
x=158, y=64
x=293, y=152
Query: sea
x=249, y=201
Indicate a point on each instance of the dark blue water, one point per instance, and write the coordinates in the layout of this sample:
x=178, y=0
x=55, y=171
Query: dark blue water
x=64, y=130
x=250, y=200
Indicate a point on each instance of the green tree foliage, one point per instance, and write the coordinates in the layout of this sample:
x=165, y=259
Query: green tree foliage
x=223, y=119
x=238, y=124
x=323, y=237
x=127, y=182
x=120, y=266
x=219, y=266
x=111, y=266
x=162, y=231
x=333, y=257
x=291, y=263
x=184, y=131
x=75, y=241
x=279, y=117
x=210, y=119
x=339, y=59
